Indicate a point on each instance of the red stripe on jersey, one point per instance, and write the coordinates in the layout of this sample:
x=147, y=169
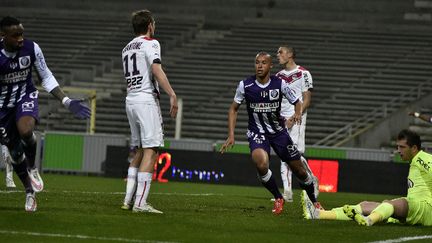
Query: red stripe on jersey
x=302, y=68
x=148, y=38
x=291, y=78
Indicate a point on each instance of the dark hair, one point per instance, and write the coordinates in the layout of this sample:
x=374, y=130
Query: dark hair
x=8, y=21
x=290, y=49
x=140, y=21
x=411, y=137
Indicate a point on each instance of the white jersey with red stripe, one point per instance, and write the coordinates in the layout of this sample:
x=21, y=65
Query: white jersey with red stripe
x=138, y=56
x=299, y=80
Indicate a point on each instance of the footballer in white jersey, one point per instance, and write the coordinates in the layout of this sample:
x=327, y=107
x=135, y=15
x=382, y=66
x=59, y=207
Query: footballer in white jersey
x=143, y=73
x=299, y=80
x=138, y=56
x=145, y=120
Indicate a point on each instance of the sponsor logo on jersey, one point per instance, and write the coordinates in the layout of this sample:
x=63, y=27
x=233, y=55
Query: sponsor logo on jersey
x=15, y=77
x=24, y=62
x=264, y=107
x=264, y=94
x=274, y=94
x=424, y=164
x=155, y=46
x=13, y=65
x=28, y=106
x=42, y=63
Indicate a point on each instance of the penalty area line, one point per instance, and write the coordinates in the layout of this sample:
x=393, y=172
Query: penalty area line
x=85, y=237
x=404, y=239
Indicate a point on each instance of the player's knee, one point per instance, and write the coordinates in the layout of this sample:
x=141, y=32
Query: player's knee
x=27, y=134
x=17, y=156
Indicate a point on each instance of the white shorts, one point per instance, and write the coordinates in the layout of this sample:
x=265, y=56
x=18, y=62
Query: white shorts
x=145, y=122
x=297, y=134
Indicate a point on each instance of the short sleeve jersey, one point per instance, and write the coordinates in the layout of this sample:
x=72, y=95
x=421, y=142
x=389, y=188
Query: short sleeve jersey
x=263, y=103
x=420, y=177
x=299, y=80
x=138, y=56
x=16, y=73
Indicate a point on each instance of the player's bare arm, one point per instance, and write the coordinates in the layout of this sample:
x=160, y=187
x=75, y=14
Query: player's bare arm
x=164, y=83
x=58, y=93
x=297, y=117
x=307, y=98
x=232, y=120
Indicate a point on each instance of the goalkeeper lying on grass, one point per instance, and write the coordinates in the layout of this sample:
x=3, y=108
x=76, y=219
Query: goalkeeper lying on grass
x=414, y=209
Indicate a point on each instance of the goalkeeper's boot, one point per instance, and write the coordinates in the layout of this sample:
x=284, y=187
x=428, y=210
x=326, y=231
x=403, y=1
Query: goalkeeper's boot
x=355, y=215
x=30, y=204
x=278, y=206
x=310, y=209
x=36, y=180
x=145, y=208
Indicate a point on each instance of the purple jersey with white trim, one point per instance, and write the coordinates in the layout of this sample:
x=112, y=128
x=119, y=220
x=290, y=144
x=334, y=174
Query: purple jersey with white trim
x=16, y=74
x=264, y=103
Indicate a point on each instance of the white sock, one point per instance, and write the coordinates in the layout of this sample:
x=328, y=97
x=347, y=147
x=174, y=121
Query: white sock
x=143, y=188
x=266, y=177
x=286, y=175
x=305, y=164
x=131, y=184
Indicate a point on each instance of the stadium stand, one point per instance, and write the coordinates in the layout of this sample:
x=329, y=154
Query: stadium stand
x=358, y=68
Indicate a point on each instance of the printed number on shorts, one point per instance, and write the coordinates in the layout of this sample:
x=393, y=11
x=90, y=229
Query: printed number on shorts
x=258, y=138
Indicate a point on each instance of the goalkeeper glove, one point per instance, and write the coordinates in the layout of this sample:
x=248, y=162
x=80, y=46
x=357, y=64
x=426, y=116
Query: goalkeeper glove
x=80, y=110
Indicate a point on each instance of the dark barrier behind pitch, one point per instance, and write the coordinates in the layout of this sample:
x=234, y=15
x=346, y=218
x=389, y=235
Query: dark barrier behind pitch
x=238, y=169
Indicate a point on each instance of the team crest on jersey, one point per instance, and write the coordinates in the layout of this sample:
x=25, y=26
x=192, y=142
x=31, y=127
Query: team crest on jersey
x=274, y=94
x=24, y=62
x=13, y=65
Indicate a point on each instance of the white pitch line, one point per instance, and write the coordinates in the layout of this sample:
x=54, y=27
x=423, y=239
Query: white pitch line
x=80, y=237
x=122, y=193
x=403, y=239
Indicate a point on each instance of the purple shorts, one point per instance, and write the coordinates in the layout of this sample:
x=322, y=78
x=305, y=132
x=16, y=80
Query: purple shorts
x=28, y=106
x=280, y=142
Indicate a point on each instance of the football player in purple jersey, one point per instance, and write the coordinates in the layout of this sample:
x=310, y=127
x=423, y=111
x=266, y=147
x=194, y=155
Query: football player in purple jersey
x=19, y=102
x=263, y=94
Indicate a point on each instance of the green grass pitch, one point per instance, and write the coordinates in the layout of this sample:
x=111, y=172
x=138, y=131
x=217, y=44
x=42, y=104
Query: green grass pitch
x=87, y=209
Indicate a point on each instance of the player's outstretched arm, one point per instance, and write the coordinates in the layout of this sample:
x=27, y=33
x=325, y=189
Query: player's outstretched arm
x=166, y=86
x=75, y=106
x=232, y=119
